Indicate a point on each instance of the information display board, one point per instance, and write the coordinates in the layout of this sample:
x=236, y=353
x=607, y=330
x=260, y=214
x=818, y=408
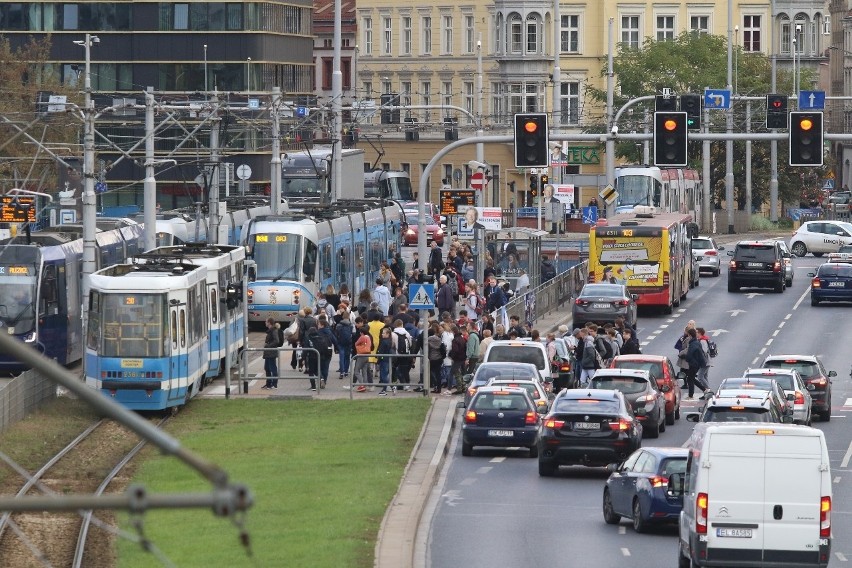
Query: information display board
x=17, y=210
x=452, y=199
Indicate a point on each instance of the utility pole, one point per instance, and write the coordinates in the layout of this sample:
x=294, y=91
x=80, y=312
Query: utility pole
x=337, y=108
x=213, y=183
x=706, y=194
x=729, y=127
x=610, y=124
x=149, y=204
x=748, y=159
x=480, y=148
x=773, y=145
x=275, y=173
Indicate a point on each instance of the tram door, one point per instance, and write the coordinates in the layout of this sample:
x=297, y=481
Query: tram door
x=178, y=361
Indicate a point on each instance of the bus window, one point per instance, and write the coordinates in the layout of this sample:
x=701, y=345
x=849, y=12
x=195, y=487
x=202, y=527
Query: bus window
x=325, y=261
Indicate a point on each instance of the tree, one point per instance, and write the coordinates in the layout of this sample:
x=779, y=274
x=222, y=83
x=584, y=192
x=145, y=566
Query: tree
x=688, y=64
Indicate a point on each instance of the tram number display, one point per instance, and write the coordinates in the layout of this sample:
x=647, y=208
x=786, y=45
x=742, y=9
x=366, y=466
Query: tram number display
x=17, y=209
x=130, y=300
x=15, y=270
x=628, y=232
x=266, y=238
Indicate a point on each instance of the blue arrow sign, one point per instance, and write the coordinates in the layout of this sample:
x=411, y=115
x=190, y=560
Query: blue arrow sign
x=811, y=100
x=717, y=98
x=421, y=296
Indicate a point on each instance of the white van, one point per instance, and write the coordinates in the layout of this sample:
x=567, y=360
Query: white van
x=520, y=351
x=755, y=495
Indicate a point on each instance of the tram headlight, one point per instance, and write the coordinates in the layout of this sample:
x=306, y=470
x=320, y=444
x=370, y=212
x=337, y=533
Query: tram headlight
x=29, y=337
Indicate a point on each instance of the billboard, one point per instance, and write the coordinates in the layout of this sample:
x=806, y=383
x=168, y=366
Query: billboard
x=488, y=218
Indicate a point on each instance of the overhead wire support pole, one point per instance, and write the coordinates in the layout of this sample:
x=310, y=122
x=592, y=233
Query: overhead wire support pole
x=337, y=108
x=149, y=203
x=275, y=173
x=773, y=145
x=729, y=126
x=213, y=184
x=610, y=119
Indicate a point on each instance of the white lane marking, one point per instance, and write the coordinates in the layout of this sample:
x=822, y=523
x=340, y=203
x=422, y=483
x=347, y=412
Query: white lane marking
x=840, y=556
x=663, y=326
x=788, y=316
x=837, y=479
x=838, y=416
x=669, y=320
x=776, y=332
x=625, y=552
x=622, y=529
x=468, y=481
x=769, y=342
x=802, y=298
x=755, y=360
x=656, y=331
x=484, y=469
x=762, y=351
x=644, y=343
x=498, y=459
x=848, y=402
x=780, y=325
x=847, y=457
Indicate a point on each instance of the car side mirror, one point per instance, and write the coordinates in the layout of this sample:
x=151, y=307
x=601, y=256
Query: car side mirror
x=634, y=297
x=666, y=388
x=721, y=248
x=467, y=378
x=693, y=417
x=832, y=373
x=613, y=467
x=730, y=253
x=791, y=397
x=675, y=485
x=811, y=274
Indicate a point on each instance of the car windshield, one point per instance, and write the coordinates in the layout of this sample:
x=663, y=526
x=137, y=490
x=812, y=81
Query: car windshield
x=835, y=271
x=763, y=253
x=702, y=244
x=626, y=385
x=529, y=387
x=415, y=219
x=602, y=290
x=757, y=383
x=673, y=465
x=486, y=373
x=586, y=405
x=784, y=380
x=845, y=248
x=500, y=401
x=807, y=369
x=655, y=369
x=725, y=414
x=517, y=354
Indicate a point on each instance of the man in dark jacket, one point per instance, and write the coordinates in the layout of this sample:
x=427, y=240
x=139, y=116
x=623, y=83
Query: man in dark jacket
x=270, y=353
x=630, y=346
x=497, y=298
x=458, y=354
x=696, y=360
x=324, y=341
x=436, y=263
x=445, y=300
x=548, y=271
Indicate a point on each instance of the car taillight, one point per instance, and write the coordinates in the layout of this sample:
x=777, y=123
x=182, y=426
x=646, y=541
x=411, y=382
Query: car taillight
x=470, y=417
x=553, y=423
x=820, y=382
x=709, y=253
x=701, y=513
x=776, y=267
x=623, y=303
x=800, y=398
x=531, y=418
x=471, y=391
x=815, y=283
x=658, y=481
x=565, y=367
x=580, y=302
x=732, y=265
x=620, y=426
x=649, y=398
x=825, y=517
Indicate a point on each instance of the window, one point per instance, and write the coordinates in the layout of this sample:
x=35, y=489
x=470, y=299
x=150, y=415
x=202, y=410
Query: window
x=630, y=31
x=367, y=87
x=426, y=98
x=532, y=34
x=498, y=104
x=406, y=93
x=235, y=16
x=468, y=98
x=699, y=24
x=387, y=87
x=786, y=38
x=180, y=17
x=446, y=35
x=523, y=97
x=387, y=35
x=405, y=42
x=70, y=17
x=570, y=34
x=447, y=92
x=569, y=102
x=469, y=34
x=499, y=48
x=665, y=28
x=368, y=36
x=751, y=33
x=327, y=70
x=426, y=35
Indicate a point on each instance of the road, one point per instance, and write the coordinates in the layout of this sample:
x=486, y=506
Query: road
x=493, y=509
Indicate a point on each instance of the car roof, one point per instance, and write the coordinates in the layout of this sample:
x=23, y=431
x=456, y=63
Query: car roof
x=808, y=358
x=579, y=394
x=667, y=452
x=642, y=357
x=635, y=373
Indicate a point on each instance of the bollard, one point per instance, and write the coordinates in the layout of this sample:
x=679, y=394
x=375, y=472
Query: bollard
x=245, y=387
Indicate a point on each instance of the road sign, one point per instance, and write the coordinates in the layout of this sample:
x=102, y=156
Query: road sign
x=301, y=112
x=717, y=98
x=828, y=184
x=477, y=180
x=608, y=194
x=100, y=187
x=243, y=171
x=421, y=296
x=462, y=230
x=452, y=199
x=590, y=215
x=254, y=104
x=811, y=100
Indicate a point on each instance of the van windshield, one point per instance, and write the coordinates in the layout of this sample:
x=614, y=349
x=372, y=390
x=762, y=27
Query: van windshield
x=518, y=354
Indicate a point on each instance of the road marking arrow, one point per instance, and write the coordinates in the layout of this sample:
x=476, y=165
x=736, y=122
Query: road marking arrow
x=751, y=295
x=735, y=313
x=716, y=332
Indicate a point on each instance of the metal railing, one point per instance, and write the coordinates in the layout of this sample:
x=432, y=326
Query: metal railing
x=547, y=297
x=423, y=378
x=245, y=379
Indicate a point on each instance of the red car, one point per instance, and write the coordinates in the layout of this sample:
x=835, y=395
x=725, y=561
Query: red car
x=434, y=232
x=662, y=369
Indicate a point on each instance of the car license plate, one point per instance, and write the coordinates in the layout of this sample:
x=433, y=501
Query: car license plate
x=501, y=433
x=587, y=426
x=755, y=265
x=734, y=533
x=836, y=284
x=601, y=306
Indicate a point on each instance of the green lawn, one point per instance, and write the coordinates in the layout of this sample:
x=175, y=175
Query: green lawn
x=322, y=474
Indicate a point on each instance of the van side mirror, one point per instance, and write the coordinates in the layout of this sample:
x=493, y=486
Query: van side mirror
x=613, y=467
x=675, y=486
x=693, y=417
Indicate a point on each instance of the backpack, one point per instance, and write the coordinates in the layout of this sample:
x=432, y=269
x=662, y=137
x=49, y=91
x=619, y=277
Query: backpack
x=712, y=348
x=480, y=305
x=343, y=333
x=403, y=344
x=443, y=350
x=280, y=337
x=321, y=343
x=607, y=348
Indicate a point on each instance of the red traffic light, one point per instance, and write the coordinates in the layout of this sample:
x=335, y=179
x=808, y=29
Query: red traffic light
x=530, y=126
x=777, y=104
x=670, y=124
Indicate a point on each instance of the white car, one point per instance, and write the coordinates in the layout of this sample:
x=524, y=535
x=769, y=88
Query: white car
x=820, y=237
x=794, y=387
x=842, y=255
x=706, y=252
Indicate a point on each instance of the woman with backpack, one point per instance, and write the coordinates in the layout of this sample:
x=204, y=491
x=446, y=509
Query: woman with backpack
x=471, y=301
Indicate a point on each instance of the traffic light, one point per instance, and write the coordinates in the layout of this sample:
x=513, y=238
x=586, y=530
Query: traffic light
x=806, y=144
x=531, y=148
x=664, y=103
x=543, y=179
x=534, y=184
x=670, y=138
x=776, y=111
x=691, y=105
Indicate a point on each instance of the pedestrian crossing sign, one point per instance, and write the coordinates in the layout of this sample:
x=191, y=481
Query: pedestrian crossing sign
x=421, y=296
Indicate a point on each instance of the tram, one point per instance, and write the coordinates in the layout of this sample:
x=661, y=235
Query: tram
x=668, y=190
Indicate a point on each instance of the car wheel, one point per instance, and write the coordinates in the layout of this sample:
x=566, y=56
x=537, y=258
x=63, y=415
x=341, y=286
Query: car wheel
x=610, y=516
x=639, y=524
x=651, y=431
x=662, y=425
x=789, y=283
x=467, y=449
x=814, y=301
x=825, y=415
x=717, y=272
x=779, y=286
x=546, y=468
x=799, y=249
x=534, y=451
x=733, y=287
x=670, y=418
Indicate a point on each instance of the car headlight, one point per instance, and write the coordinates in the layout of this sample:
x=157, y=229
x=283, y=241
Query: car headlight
x=410, y=232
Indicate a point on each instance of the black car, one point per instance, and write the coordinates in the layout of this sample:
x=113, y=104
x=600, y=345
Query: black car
x=756, y=264
x=602, y=303
x=587, y=427
x=816, y=378
x=640, y=392
x=503, y=417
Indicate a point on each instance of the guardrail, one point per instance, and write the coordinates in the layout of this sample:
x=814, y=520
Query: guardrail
x=547, y=297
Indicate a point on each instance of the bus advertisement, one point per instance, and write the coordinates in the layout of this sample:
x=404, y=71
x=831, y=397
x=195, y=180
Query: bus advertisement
x=648, y=253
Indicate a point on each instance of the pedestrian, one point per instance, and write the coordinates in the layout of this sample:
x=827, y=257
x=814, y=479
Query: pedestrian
x=436, y=357
x=364, y=301
x=363, y=346
x=500, y=333
x=458, y=355
x=332, y=297
x=702, y=378
x=471, y=301
x=548, y=271
x=345, y=296
x=472, y=347
x=592, y=359
x=402, y=346
x=611, y=337
x=515, y=325
x=326, y=344
x=522, y=284
x=497, y=298
x=382, y=297
x=486, y=322
x=695, y=359
x=375, y=327
x=682, y=344
x=270, y=353
x=447, y=364
x=323, y=307
x=484, y=343
x=436, y=263
x=630, y=344
x=306, y=324
x=385, y=348
x=398, y=299
x=445, y=299
x=343, y=333
x=580, y=335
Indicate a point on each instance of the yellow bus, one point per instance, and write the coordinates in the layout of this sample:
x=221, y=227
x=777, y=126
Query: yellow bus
x=650, y=253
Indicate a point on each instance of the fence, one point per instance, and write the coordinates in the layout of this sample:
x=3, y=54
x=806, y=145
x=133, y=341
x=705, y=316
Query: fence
x=548, y=297
x=244, y=378
x=23, y=395
x=376, y=383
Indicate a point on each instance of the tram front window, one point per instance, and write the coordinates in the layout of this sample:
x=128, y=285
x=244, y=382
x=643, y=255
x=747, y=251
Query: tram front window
x=637, y=190
x=277, y=256
x=17, y=298
x=128, y=324
x=301, y=187
x=400, y=189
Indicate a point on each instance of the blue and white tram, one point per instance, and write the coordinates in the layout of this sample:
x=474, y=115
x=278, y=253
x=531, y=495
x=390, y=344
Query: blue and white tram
x=300, y=253
x=225, y=320
x=147, y=341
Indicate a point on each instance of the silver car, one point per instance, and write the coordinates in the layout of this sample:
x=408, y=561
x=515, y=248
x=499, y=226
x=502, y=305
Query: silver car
x=706, y=252
x=788, y=263
x=794, y=387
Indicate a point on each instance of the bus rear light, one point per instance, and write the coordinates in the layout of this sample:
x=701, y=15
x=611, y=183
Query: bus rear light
x=666, y=278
